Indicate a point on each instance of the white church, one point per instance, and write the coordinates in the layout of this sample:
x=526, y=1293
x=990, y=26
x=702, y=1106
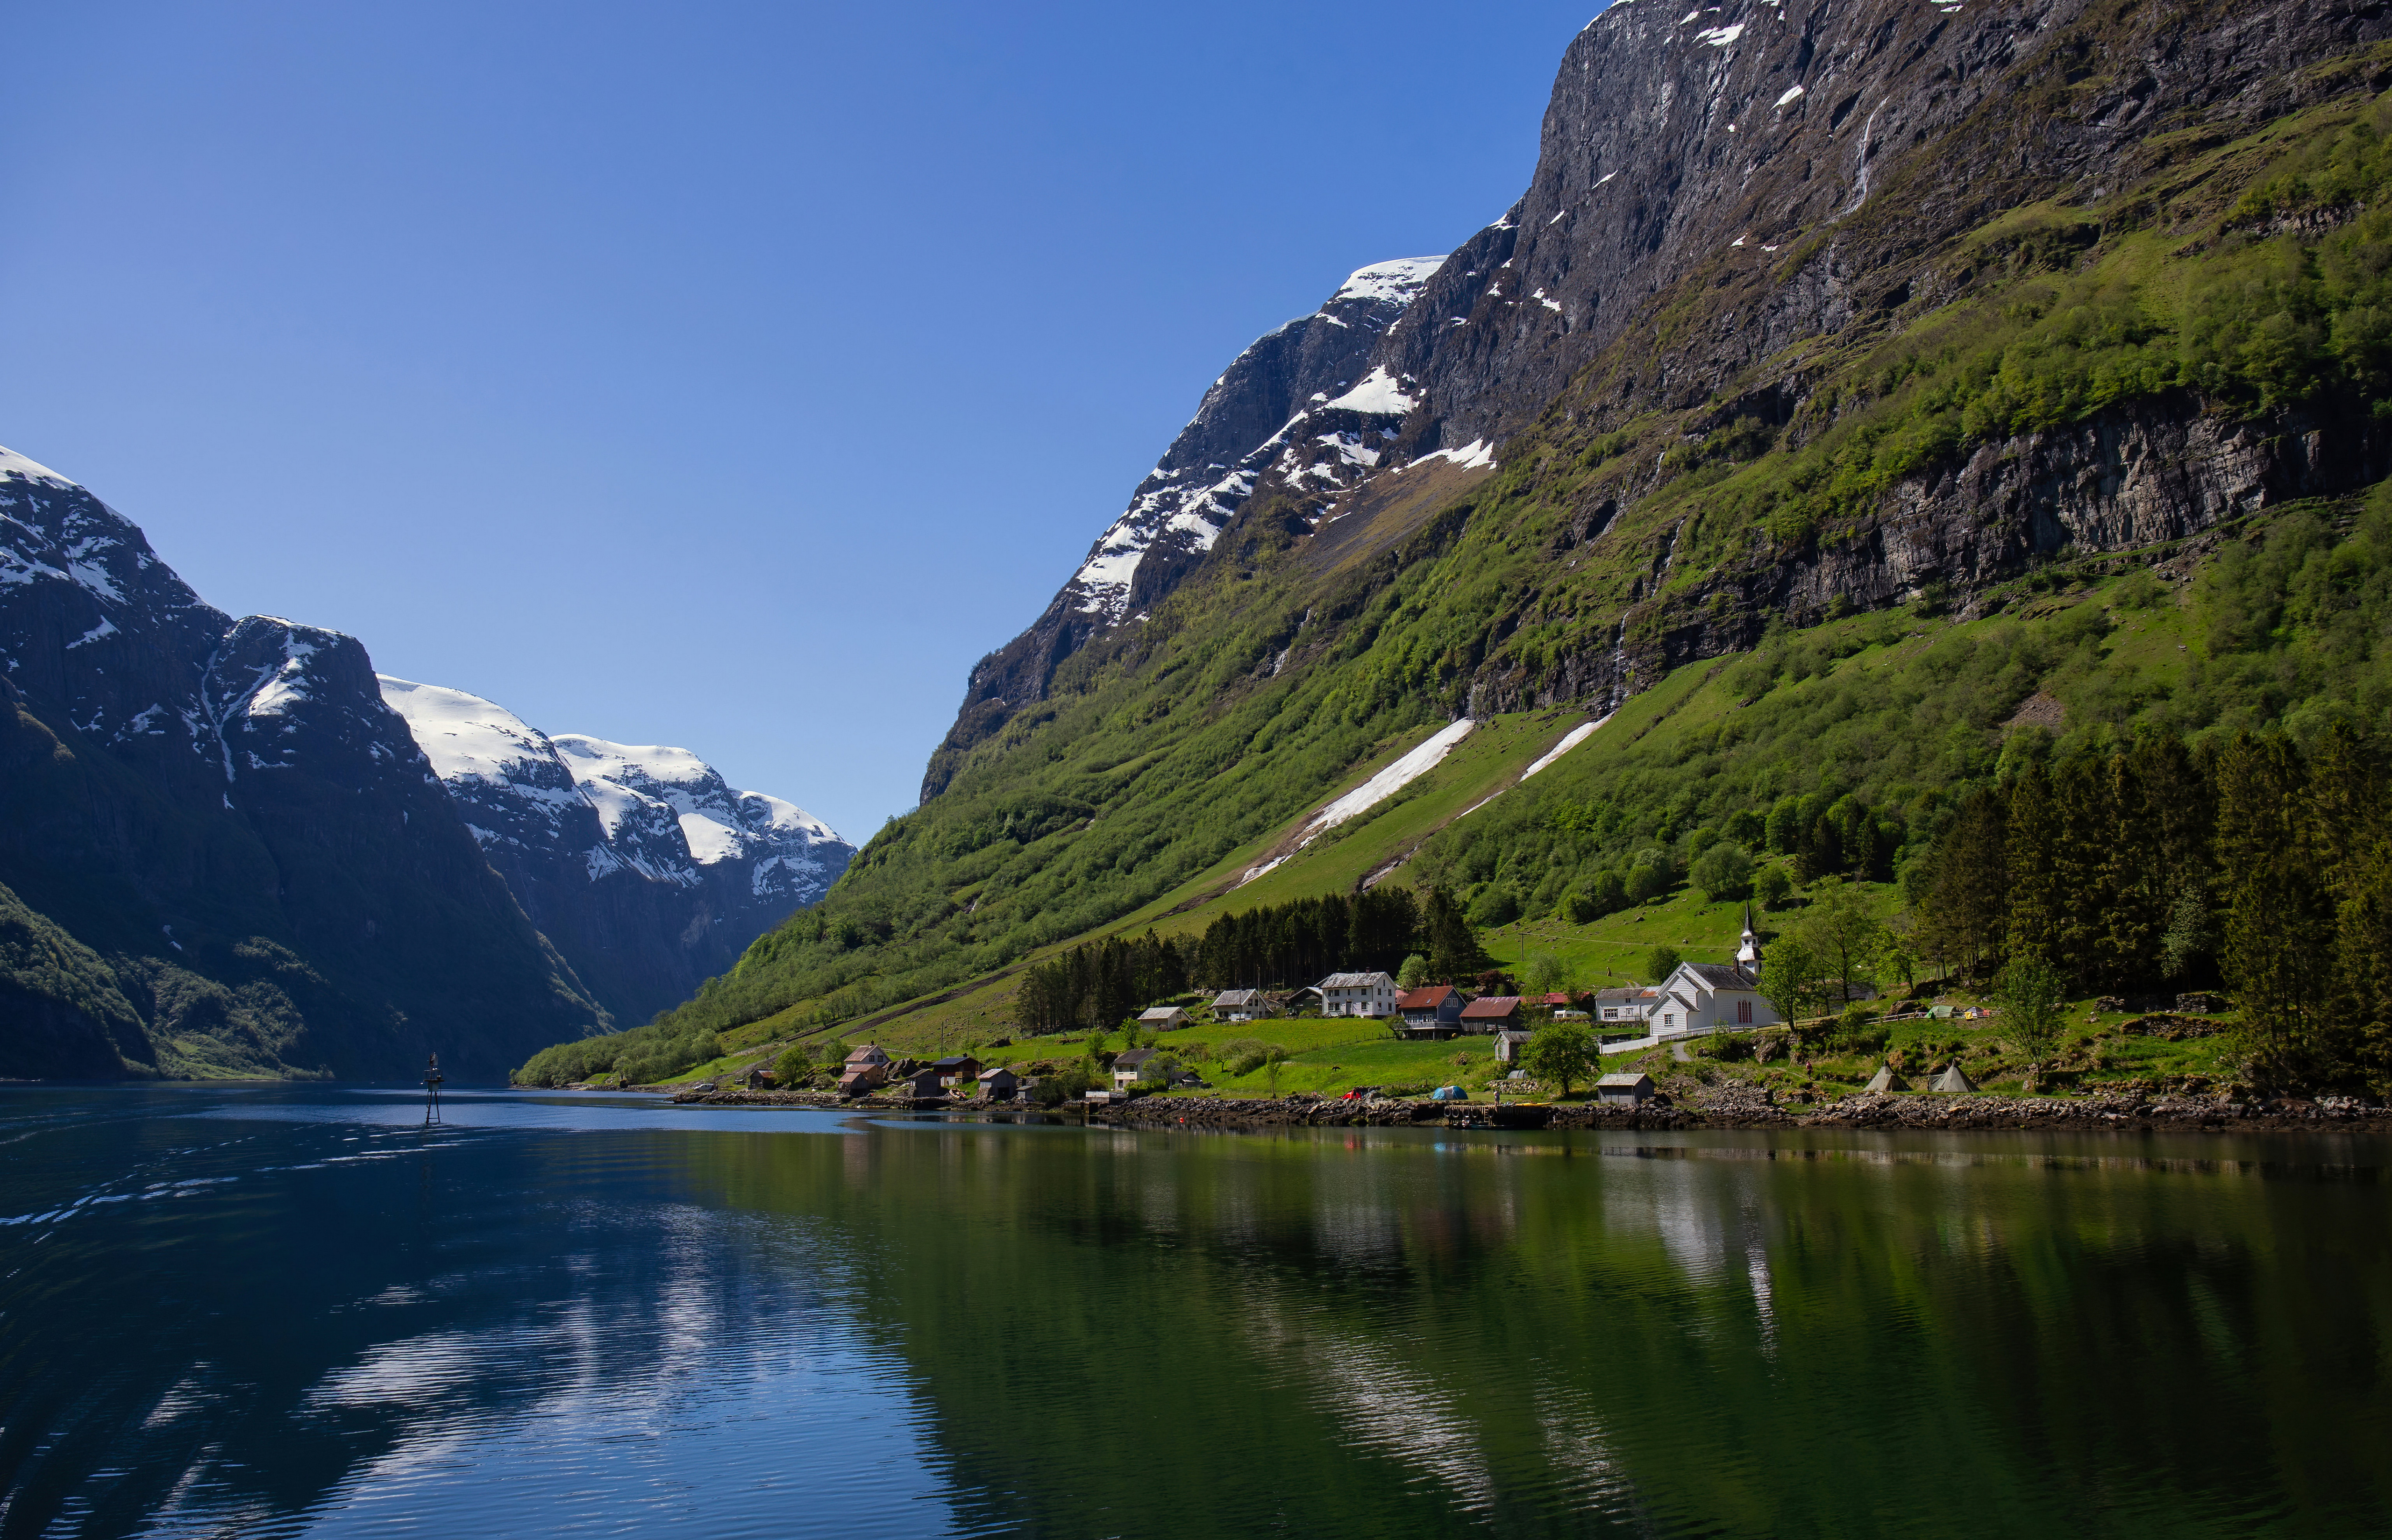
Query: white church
x=1710, y=997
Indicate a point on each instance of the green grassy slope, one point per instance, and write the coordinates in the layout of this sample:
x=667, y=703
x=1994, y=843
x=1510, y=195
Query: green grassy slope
x=2240, y=278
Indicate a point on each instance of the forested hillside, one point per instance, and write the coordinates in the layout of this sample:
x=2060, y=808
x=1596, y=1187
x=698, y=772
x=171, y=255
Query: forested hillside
x=1992, y=473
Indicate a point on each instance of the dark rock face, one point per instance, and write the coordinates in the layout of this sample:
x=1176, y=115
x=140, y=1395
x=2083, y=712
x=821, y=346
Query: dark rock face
x=645, y=870
x=1281, y=410
x=222, y=854
x=1694, y=143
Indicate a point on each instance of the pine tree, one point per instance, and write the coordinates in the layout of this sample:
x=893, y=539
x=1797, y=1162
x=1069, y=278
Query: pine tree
x=2280, y=927
x=2032, y=838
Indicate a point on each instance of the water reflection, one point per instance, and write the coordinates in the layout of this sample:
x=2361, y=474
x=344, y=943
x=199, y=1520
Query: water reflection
x=285, y=1311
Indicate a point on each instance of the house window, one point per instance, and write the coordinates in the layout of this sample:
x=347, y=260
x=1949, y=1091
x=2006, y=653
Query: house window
x=1668, y=1020
x=1744, y=1013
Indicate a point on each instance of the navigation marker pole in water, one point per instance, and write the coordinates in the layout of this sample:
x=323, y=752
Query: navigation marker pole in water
x=432, y=1081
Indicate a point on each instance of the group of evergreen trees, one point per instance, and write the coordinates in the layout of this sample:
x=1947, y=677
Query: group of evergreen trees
x=1096, y=986
x=2163, y=865
x=1303, y=941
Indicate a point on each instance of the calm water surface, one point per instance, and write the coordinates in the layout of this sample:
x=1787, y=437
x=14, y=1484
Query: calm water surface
x=296, y=1310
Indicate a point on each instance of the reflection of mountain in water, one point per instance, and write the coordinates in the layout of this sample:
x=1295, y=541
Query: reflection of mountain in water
x=303, y=1312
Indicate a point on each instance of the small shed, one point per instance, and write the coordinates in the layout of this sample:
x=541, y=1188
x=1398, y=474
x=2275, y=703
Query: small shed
x=1954, y=1079
x=1162, y=1018
x=1624, y=1089
x=1509, y=1044
x=998, y=1084
x=1886, y=1079
x=925, y=1082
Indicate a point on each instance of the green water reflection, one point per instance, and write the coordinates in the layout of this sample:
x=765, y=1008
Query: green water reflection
x=1394, y=1333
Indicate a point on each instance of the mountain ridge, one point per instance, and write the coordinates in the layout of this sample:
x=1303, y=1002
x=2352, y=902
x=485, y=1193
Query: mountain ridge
x=222, y=853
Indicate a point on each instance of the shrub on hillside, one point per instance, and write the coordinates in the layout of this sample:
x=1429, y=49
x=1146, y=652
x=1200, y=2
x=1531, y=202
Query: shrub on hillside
x=1724, y=871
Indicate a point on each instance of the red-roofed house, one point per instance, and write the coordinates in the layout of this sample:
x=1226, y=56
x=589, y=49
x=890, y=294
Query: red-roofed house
x=1496, y=1012
x=1433, y=1012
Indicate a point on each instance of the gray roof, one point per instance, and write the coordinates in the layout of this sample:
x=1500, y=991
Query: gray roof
x=993, y=1070
x=1133, y=1058
x=1721, y=976
x=1160, y=1013
x=1625, y=997
x=1622, y=1081
x=1357, y=980
x=1238, y=997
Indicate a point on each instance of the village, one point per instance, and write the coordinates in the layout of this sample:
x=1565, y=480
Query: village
x=1363, y=1038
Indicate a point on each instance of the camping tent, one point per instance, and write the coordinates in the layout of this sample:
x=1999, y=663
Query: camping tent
x=1886, y=1079
x=1952, y=1079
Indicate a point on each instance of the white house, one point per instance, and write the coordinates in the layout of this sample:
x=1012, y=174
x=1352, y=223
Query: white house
x=1162, y=1018
x=1703, y=997
x=1241, y=1006
x=1624, y=1007
x=1357, y=994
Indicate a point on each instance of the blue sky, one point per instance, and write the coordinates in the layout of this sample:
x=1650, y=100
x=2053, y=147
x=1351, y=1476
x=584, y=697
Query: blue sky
x=721, y=375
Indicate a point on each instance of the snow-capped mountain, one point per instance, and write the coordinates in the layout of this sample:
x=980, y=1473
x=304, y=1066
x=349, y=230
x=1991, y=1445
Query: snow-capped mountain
x=641, y=863
x=220, y=853
x=1300, y=406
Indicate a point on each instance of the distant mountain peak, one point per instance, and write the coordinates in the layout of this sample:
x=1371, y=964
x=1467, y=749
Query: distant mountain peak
x=620, y=846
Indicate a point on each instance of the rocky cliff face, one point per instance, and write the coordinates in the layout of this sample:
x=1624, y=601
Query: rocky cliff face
x=1300, y=406
x=641, y=864
x=1734, y=203
x=221, y=853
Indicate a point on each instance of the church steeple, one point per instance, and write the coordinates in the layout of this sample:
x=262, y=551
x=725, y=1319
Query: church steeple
x=1748, y=952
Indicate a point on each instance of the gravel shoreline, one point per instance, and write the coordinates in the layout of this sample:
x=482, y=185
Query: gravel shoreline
x=1721, y=1109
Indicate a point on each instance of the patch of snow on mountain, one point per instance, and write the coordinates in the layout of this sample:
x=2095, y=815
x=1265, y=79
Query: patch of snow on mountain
x=1570, y=740
x=287, y=686
x=14, y=464
x=1399, y=281
x=1379, y=392
x=1792, y=94
x=1388, y=781
x=463, y=735
x=709, y=841
x=1476, y=455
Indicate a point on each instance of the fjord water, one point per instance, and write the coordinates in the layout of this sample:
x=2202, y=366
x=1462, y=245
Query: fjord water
x=263, y=1312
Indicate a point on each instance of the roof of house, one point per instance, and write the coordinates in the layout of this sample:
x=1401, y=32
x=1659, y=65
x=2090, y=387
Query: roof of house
x=956, y=1061
x=1237, y=996
x=1494, y=1006
x=1425, y=999
x=1133, y=1058
x=1721, y=976
x=993, y=1070
x=1553, y=999
x=1358, y=981
x=1627, y=996
x=1160, y=1013
x=1622, y=1081
x=1510, y=1035
x=869, y=1053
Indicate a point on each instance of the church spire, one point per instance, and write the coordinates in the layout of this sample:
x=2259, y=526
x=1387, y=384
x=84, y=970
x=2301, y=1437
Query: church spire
x=1748, y=952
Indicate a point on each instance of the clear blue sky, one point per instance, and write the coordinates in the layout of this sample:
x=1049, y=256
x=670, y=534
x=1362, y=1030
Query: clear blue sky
x=730, y=376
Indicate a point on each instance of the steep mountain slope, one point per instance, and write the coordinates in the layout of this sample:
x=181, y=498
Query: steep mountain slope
x=219, y=852
x=1299, y=404
x=645, y=870
x=2003, y=296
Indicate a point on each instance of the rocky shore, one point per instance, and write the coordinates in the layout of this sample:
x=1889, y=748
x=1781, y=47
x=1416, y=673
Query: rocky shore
x=1719, y=1107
